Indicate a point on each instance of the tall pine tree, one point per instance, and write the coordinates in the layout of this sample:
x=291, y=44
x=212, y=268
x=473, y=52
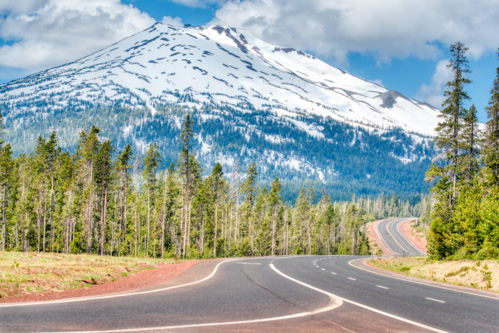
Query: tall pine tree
x=445, y=234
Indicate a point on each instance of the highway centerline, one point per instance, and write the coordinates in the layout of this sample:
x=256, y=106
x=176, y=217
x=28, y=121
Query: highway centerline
x=382, y=287
x=435, y=300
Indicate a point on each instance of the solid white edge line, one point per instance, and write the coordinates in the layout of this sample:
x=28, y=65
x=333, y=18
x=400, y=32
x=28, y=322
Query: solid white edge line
x=83, y=299
x=435, y=300
x=423, y=282
x=334, y=303
x=362, y=305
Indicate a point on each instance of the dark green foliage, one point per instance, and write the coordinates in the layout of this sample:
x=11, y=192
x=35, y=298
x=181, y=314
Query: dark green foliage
x=356, y=160
x=490, y=152
x=86, y=201
x=464, y=218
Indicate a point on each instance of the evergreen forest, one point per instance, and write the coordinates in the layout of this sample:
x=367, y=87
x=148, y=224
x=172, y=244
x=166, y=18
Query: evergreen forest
x=101, y=201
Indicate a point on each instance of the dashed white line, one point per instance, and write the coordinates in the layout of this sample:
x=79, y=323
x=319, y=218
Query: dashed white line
x=382, y=287
x=434, y=300
x=323, y=269
x=333, y=273
x=248, y=263
x=367, y=307
x=351, y=278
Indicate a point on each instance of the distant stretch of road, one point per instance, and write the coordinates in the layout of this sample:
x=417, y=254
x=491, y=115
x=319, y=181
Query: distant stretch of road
x=389, y=232
x=278, y=294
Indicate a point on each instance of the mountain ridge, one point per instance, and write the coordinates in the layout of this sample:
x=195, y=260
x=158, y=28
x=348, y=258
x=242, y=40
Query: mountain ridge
x=295, y=83
x=298, y=117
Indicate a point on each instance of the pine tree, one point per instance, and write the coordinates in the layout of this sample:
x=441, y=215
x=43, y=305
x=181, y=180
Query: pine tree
x=249, y=192
x=216, y=189
x=151, y=164
x=448, y=131
x=88, y=148
x=490, y=153
x=122, y=168
x=274, y=201
x=469, y=165
x=6, y=163
x=444, y=232
x=103, y=170
x=171, y=202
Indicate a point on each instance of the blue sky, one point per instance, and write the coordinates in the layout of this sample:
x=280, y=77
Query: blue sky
x=402, y=45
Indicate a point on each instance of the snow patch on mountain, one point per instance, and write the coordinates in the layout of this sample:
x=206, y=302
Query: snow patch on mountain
x=215, y=67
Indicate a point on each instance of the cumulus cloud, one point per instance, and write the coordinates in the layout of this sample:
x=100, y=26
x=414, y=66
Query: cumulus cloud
x=175, y=21
x=197, y=3
x=385, y=29
x=433, y=93
x=44, y=33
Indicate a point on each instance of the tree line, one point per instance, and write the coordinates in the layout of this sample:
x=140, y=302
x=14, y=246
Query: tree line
x=101, y=201
x=465, y=219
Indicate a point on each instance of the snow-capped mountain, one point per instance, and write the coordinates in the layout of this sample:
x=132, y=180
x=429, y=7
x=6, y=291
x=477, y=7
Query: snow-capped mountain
x=276, y=99
x=219, y=66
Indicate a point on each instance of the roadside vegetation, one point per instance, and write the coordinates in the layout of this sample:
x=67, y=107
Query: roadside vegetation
x=31, y=273
x=465, y=182
x=468, y=273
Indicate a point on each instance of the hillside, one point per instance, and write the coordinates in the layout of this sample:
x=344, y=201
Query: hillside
x=298, y=117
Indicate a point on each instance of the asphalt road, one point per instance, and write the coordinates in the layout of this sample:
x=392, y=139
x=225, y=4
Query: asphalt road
x=314, y=293
x=394, y=240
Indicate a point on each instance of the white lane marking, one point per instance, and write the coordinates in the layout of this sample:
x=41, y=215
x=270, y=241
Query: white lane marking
x=248, y=263
x=363, y=306
x=323, y=269
x=334, y=303
x=417, y=282
x=333, y=273
x=382, y=287
x=351, y=278
x=376, y=229
x=434, y=300
x=82, y=299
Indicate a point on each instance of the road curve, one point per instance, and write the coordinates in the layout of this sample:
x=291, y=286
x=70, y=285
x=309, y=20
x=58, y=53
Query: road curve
x=319, y=293
x=389, y=232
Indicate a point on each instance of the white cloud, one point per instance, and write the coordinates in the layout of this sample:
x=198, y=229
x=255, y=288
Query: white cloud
x=433, y=93
x=14, y=7
x=385, y=29
x=197, y=3
x=175, y=21
x=46, y=33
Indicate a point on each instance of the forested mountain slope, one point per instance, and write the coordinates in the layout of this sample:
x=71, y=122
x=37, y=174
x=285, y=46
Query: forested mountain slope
x=296, y=116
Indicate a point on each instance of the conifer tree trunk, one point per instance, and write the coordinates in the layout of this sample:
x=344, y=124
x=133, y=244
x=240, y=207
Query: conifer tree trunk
x=44, y=222
x=216, y=227
x=51, y=218
x=148, y=221
x=4, y=217
x=136, y=221
x=103, y=223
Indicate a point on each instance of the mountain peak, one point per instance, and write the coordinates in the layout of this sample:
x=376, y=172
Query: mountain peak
x=216, y=66
x=250, y=100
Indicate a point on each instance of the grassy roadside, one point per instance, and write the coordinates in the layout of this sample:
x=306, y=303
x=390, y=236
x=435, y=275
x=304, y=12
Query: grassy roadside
x=37, y=273
x=475, y=274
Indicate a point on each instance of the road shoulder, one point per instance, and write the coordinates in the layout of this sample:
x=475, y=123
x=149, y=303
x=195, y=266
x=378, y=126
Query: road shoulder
x=363, y=264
